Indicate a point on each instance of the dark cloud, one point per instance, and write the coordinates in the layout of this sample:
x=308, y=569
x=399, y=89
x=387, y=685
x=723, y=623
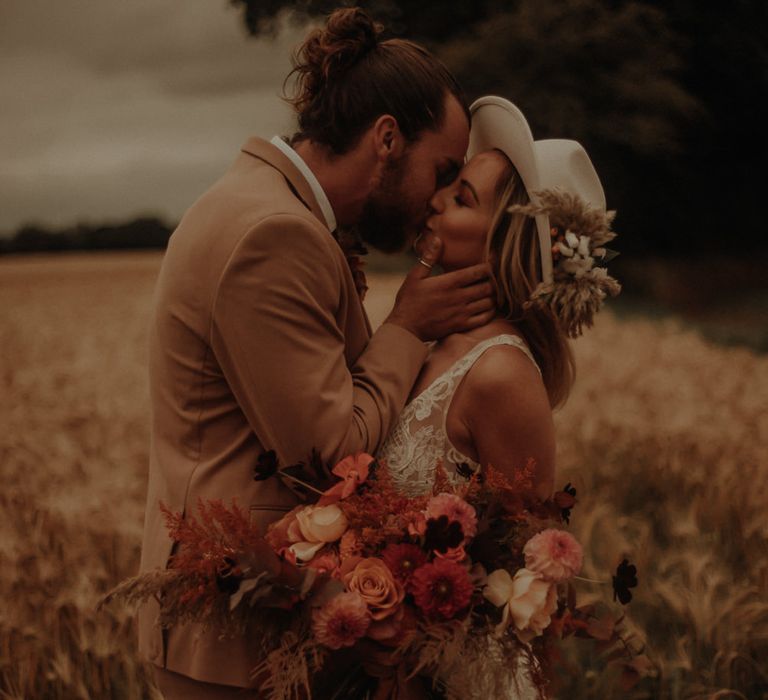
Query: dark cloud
x=197, y=45
x=115, y=107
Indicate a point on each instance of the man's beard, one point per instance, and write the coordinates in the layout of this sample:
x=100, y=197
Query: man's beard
x=386, y=216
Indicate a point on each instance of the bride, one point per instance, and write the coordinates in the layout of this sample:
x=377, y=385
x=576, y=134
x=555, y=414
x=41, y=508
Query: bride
x=486, y=396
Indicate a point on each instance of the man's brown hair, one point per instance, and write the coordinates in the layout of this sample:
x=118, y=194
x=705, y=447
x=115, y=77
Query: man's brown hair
x=346, y=77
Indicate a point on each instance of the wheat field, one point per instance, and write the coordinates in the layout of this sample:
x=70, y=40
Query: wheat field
x=665, y=437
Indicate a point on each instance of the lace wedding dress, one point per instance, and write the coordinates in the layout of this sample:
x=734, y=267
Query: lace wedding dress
x=419, y=438
x=418, y=441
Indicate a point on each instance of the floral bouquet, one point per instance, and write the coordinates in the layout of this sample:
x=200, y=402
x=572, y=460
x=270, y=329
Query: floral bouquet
x=463, y=592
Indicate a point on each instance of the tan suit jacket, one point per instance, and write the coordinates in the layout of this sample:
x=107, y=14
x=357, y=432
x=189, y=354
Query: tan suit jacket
x=258, y=341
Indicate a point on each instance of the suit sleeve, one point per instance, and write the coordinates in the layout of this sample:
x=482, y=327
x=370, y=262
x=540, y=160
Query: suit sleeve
x=277, y=339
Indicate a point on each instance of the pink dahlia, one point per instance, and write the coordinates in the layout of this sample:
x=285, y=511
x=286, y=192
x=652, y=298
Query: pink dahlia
x=341, y=621
x=555, y=554
x=442, y=588
x=454, y=508
x=403, y=560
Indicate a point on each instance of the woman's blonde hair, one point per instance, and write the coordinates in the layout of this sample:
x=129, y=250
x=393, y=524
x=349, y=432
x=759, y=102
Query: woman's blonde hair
x=512, y=248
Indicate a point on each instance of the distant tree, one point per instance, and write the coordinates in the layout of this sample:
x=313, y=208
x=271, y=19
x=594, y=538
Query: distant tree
x=141, y=233
x=35, y=238
x=665, y=94
x=578, y=67
x=429, y=20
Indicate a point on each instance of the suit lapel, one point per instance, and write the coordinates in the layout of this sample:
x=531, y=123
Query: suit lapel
x=270, y=154
x=263, y=150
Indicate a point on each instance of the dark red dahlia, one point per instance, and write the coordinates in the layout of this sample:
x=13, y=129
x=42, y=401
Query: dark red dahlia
x=403, y=560
x=442, y=588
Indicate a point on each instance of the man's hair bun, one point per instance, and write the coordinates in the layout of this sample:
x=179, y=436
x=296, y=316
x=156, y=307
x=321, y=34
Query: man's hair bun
x=348, y=36
x=346, y=75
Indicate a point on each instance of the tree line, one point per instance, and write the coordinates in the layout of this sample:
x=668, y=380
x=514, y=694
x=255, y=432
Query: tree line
x=141, y=233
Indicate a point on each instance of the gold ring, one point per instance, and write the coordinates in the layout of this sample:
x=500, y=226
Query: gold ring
x=425, y=263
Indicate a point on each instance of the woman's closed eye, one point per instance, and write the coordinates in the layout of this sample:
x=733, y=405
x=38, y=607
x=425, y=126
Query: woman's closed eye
x=469, y=187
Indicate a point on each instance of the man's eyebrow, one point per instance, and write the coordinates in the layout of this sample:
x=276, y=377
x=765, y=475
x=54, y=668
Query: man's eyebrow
x=470, y=187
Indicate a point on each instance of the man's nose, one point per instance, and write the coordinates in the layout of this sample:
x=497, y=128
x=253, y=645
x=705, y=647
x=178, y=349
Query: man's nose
x=437, y=203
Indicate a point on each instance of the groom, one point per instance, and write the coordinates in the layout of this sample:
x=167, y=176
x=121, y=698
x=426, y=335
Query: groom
x=259, y=340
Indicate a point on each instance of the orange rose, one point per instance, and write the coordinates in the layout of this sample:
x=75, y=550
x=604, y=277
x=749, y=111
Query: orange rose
x=373, y=580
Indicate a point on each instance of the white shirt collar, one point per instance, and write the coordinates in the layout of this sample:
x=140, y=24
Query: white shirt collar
x=309, y=176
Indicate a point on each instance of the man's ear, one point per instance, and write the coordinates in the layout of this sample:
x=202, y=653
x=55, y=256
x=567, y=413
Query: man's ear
x=388, y=140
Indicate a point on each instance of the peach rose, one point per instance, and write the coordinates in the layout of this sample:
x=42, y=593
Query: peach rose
x=373, y=580
x=528, y=599
x=321, y=523
x=309, y=529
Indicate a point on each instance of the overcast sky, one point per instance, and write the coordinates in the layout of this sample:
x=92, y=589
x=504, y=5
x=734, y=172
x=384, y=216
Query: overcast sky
x=114, y=108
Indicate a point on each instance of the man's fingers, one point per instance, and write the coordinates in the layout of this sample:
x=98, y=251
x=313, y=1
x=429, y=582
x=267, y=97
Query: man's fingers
x=480, y=319
x=481, y=290
x=480, y=306
x=431, y=248
x=429, y=254
x=419, y=271
x=466, y=276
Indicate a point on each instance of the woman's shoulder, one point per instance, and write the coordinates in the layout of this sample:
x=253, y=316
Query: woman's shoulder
x=504, y=354
x=503, y=367
x=505, y=372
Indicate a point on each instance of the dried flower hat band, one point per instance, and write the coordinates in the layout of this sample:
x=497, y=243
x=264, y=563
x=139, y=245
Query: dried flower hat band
x=580, y=282
x=568, y=204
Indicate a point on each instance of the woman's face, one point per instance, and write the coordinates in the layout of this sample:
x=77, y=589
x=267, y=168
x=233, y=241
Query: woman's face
x=463, y=211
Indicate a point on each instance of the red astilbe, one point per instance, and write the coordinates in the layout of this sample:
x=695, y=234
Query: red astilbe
x=442, y=482
x=220, y=542
x=512, y=497
x=380, y=513
x=521, y=480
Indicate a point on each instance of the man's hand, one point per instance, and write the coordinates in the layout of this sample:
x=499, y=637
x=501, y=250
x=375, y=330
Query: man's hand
x=433, y=307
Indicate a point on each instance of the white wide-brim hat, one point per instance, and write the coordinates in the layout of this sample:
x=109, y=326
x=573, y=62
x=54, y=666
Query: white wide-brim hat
x=543, y=165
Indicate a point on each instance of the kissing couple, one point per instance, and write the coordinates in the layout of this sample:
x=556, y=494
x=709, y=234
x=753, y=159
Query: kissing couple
x=259, y=340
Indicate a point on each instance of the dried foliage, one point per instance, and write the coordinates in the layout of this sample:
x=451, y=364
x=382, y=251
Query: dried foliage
x=574, y=299
x=288, y=668
x=665, y=438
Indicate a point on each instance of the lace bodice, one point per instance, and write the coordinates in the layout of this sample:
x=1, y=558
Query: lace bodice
x=419, y=438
